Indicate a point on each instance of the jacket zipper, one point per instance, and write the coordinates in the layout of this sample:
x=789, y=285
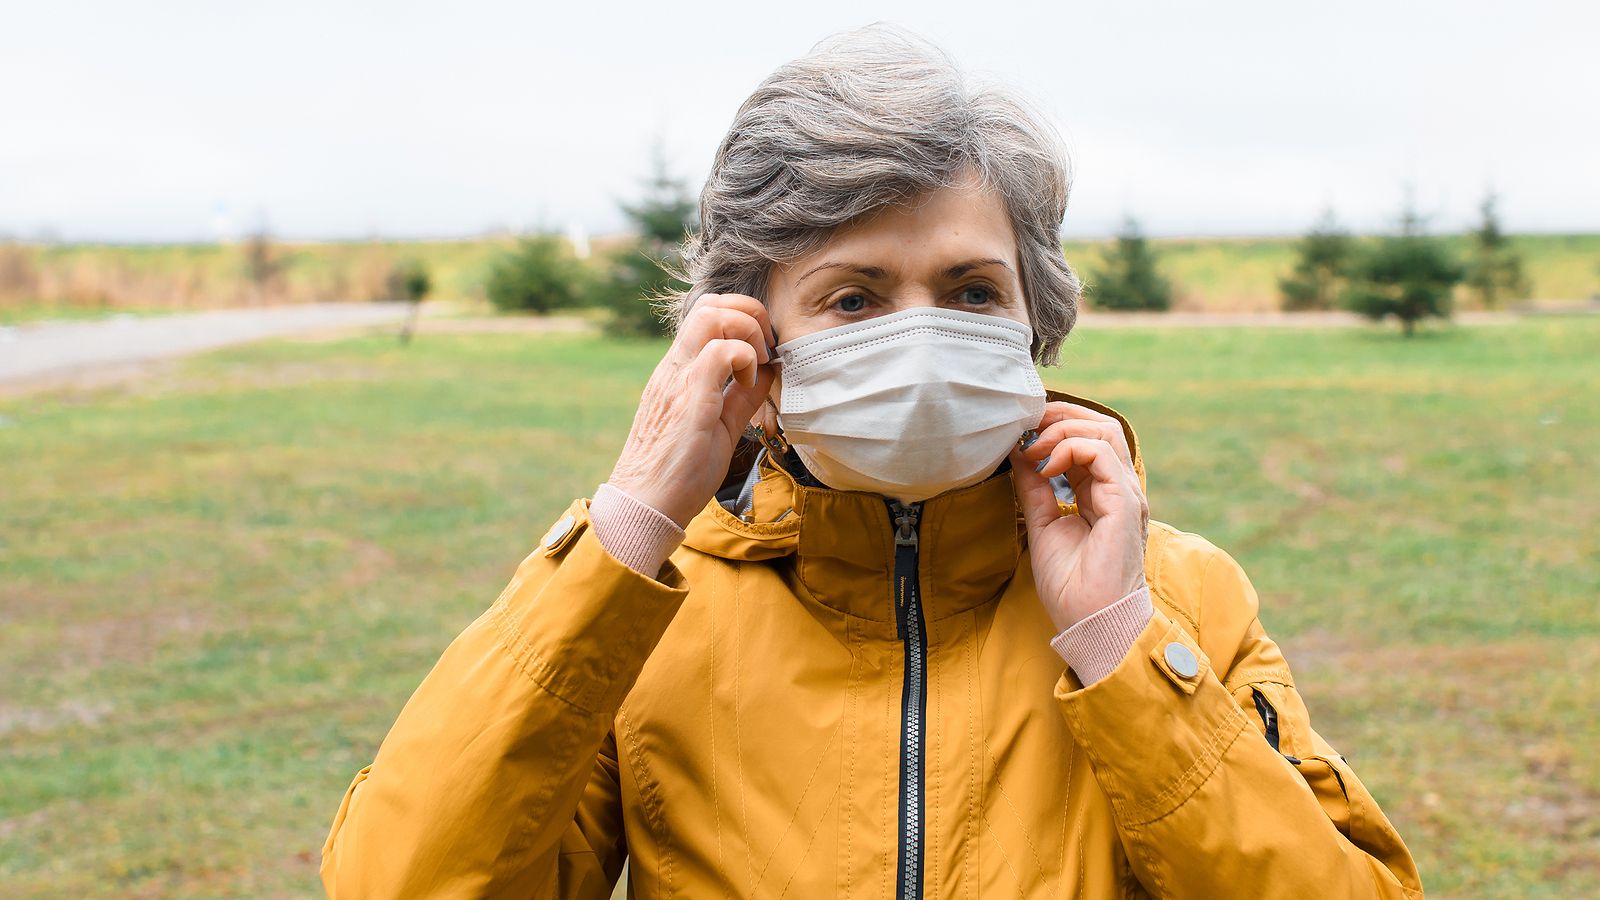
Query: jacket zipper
x=914, y=703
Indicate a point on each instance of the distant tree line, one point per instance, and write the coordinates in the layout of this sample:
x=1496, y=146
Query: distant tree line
x=1409, y=274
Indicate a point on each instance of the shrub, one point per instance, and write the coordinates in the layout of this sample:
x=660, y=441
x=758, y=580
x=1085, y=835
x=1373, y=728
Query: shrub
x=537, y=277
x=408, y=279
x=264, y=265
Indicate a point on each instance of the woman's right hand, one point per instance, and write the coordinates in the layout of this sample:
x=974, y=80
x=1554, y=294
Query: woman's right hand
x=688, y=423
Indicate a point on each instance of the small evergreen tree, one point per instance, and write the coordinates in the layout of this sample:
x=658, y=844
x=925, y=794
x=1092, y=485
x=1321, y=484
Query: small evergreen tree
x=1320, y=272
x=1130, y=279
x=641, y=272
x=1495, y=270
x=1410, y=276
x=537, y=277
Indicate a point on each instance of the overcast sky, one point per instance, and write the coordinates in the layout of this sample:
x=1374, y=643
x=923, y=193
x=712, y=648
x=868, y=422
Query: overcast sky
x=188, y=121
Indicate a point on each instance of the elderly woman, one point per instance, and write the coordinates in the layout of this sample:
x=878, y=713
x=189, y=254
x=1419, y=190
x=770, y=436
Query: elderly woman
x=863, y=610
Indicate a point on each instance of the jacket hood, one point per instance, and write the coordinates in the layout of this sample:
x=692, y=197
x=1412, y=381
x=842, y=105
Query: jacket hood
x=971, y=538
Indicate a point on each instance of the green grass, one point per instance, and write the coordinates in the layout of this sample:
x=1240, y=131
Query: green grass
x=26, y=313
x=218, y=585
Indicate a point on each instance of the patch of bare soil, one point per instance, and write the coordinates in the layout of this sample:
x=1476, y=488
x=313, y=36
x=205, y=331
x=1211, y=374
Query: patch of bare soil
x=367, y=562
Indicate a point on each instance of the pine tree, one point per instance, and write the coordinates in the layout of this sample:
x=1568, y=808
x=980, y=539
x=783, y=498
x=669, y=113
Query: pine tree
x=1319, y=274
x=1495, y=271
x=1410, y=276
x=539, y=276
x=1130, y=279
x=641, y=272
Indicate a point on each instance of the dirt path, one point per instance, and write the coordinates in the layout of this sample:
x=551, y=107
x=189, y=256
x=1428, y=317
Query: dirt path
x=52, y=350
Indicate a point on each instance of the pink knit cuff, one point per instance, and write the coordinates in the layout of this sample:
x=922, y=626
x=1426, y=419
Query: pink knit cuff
x=637, y=534
x=1094, y=646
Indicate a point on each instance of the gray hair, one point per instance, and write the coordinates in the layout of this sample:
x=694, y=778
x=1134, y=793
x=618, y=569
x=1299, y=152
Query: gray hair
x=869, y=119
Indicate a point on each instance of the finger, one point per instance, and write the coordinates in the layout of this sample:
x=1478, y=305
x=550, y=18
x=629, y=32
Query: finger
x=1111, y=433
x=749, y=306
x=1093, y=454
x=711, y=323
x=1062, y=411
x=1056, y=410
x=746, y=304
x=1082, y=484
x=740, y=403
x=1034, y=495
x=717, y=361
x=1099, y=480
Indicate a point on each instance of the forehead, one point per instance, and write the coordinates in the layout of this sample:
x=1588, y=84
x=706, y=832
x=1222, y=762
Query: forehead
x=966, y=219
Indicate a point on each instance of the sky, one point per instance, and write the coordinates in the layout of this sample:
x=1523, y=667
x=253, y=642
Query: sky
x=181, y=121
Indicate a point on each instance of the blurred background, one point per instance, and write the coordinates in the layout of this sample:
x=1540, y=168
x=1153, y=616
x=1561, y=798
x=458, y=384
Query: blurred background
x=313, y=316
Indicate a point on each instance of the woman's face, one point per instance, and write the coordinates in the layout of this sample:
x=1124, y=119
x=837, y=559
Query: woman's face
x=952, y=248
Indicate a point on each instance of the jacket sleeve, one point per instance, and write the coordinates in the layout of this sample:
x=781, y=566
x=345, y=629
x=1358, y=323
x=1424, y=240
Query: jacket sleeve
x=1219, y=785
x=499, y=778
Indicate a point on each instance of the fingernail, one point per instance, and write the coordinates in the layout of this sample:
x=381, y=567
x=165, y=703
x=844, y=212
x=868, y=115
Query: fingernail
x=1028, y=439
x=1042, y=463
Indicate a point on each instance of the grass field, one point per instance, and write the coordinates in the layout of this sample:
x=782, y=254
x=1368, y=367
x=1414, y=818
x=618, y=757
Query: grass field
x=1208, y=274
x=36, y=280
x=219, y=584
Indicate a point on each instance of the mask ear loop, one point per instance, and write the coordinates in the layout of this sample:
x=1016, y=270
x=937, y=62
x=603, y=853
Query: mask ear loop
x=774, y=443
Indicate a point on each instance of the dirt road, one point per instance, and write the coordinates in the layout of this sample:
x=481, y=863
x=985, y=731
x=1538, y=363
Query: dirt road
x=48, y=350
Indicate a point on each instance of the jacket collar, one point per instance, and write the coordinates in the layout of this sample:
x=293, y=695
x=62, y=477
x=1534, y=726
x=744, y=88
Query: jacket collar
x=840, y=544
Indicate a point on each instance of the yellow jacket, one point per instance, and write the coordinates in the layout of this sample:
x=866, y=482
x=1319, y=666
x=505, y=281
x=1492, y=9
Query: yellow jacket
x=740, y=728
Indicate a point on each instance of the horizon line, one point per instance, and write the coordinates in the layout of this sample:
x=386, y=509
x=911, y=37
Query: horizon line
x=623, y=235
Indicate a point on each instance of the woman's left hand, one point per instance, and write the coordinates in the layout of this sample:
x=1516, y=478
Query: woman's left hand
x=1082, y=563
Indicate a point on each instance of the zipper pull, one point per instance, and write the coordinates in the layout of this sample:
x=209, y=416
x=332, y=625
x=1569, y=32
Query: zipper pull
x=904, y=516
x=905, y=522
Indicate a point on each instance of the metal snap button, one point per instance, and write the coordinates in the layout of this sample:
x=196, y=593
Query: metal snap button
x=1182, y=660
x=558, y=531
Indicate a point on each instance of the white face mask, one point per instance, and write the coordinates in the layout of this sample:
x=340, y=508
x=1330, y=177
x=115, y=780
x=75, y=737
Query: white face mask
x=911, y=404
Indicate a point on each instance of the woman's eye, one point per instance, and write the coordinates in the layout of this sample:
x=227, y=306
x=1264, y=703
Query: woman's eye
x=977, y=294
x=851, y=303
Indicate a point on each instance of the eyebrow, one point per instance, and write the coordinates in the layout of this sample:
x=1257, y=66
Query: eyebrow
x=863, y=271
x=955, y=271
x=960, y=269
